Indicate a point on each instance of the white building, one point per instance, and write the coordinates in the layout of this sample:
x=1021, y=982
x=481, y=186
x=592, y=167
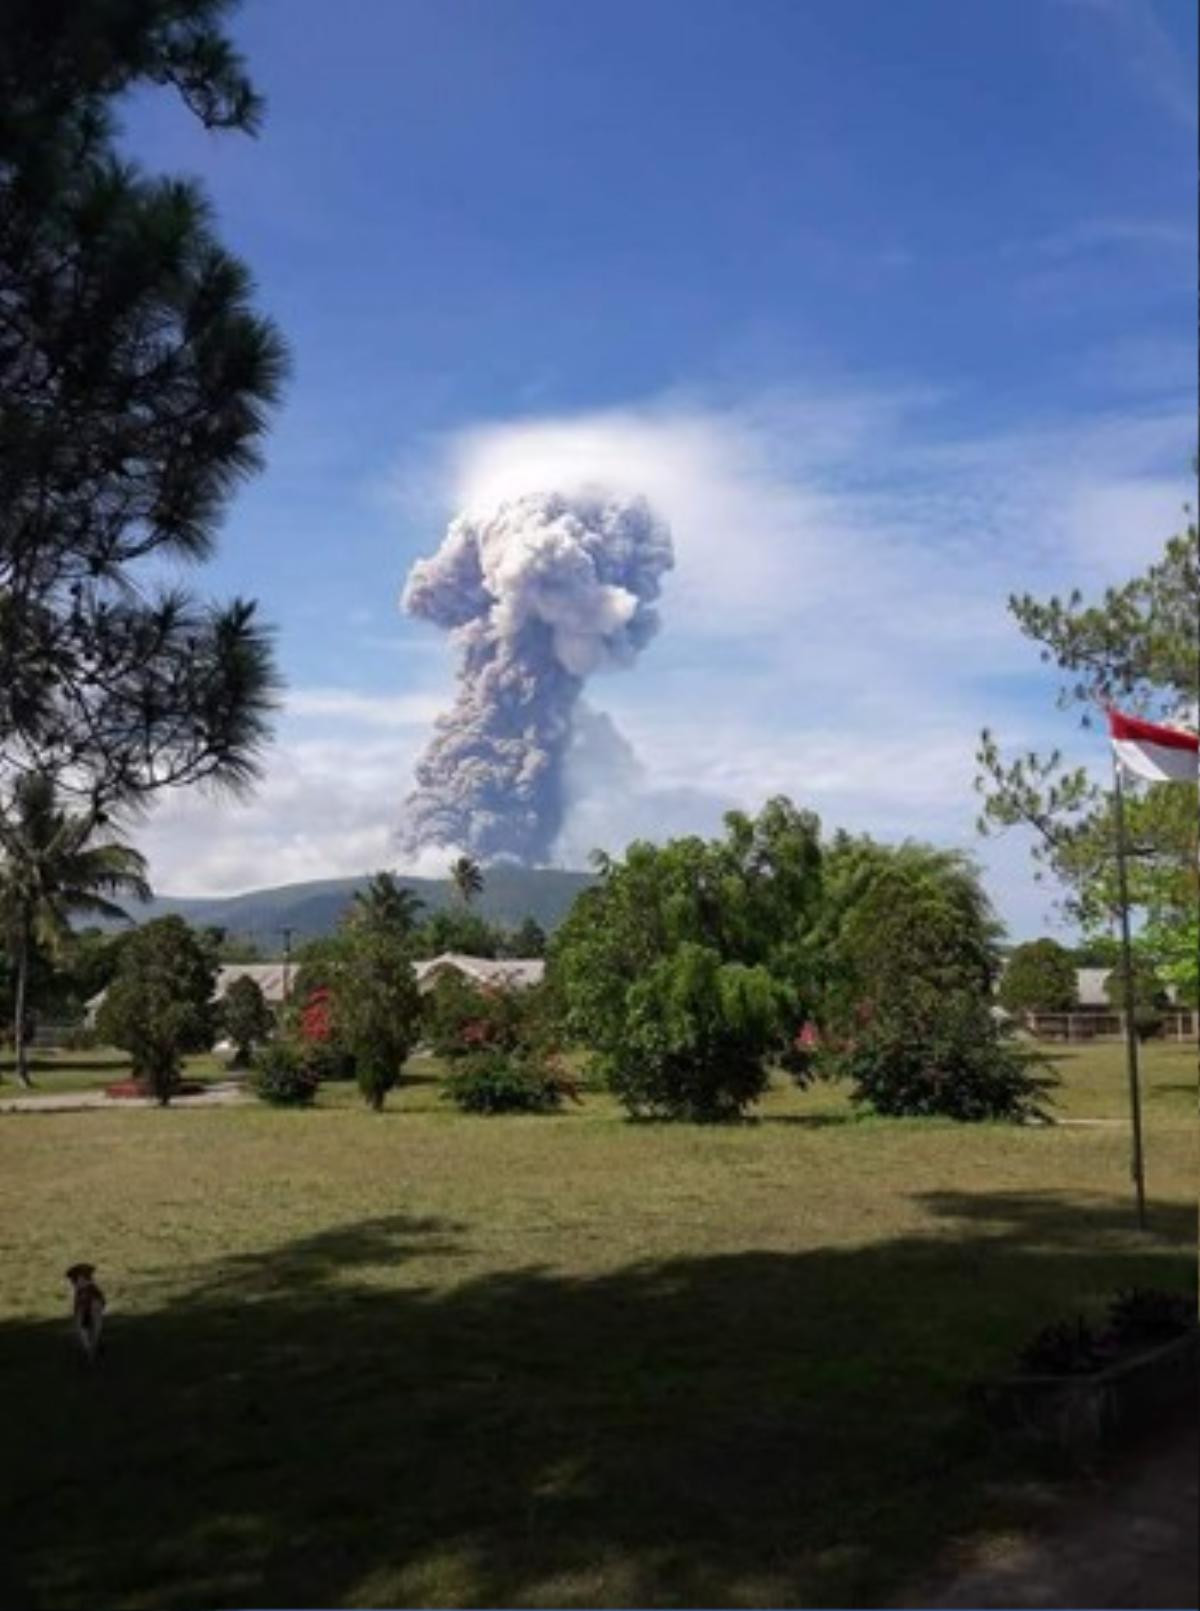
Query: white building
x=503, y=973
x=268, y=976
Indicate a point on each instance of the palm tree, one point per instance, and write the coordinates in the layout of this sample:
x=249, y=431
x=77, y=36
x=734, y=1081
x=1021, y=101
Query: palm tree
x=50, y=866
x=386, y=904
x=467, y=878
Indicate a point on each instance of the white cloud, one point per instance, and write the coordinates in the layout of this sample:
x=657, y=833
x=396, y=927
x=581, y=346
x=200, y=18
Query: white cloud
x=326, y=808
x=835, y=628
x=368, y=710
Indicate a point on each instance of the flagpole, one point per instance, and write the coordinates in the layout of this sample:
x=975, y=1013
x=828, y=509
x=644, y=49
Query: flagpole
x=1131, y=1042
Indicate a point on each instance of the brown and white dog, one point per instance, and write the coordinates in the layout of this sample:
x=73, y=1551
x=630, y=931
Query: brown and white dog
x=87, y=1308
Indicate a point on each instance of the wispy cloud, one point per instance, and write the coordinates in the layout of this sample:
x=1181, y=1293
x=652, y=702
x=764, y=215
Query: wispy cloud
x=1153, y=57
x=365, y=710
x=1096, y=234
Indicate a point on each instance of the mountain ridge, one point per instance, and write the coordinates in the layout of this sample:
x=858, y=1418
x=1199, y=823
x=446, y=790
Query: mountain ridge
x=311, y=909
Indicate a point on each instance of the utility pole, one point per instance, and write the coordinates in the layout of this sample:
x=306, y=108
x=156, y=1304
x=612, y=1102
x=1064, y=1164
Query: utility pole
x=287, y=961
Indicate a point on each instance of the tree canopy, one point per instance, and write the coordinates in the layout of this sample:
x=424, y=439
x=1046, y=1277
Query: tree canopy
x=245, y=1017
x=159, y=1004
x=467, y=877
x=386, y=904
x=1135, y=647
x=54, y=864
x=1040, y=977
x=686, y=961
x=135, y=384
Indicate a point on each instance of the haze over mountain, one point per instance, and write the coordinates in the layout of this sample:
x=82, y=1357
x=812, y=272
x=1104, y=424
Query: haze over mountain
x=311, y=910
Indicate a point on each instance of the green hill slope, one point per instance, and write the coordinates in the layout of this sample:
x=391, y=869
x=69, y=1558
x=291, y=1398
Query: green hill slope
x=313, y=909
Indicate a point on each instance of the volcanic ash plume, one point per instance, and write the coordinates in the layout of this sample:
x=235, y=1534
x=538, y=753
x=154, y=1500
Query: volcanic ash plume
x=538, y=595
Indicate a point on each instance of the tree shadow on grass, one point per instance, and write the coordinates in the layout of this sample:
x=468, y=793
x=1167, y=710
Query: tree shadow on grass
x=311, y=1426
x=812, y=1121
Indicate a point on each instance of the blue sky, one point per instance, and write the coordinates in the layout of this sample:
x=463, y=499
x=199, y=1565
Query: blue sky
x=888, y=307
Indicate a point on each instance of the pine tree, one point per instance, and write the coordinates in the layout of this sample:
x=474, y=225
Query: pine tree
x=135, y=382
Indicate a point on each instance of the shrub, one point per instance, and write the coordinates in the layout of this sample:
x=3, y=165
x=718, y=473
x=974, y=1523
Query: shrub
x=282, y=1077
x=1147, y=1314
x=1147, y=1022
x=315, y=1020
x=500, y=1082
x=800, y=1055
x=446, y=1010
x=327, y=1060
x=246, y=1018
x=960, y=1065
x=694, y=1038
x=460, y=1018
x=1066, y=1348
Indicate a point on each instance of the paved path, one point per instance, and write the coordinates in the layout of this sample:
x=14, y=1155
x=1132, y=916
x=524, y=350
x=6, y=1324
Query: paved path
x=1124, y=1539
x=220, y=1094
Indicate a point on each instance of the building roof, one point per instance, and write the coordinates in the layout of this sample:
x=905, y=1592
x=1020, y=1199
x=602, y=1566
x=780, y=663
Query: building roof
x=268, y=976
x=507, y=972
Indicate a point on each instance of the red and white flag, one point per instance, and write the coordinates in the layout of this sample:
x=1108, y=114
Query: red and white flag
x=1162, y=754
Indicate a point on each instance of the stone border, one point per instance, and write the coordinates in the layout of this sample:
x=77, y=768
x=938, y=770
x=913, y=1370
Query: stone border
x=1084, y=1414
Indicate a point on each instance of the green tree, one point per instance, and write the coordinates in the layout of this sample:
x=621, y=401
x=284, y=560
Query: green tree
x=160, y=1004
x=1148, y=988
x=386, y=904
x=376, y=1008
x=1135, y=648
x=467, y=878
x=693, y=1038
x=315, y=964
x=909, y=924
x=1172, y=946
x=750, y=903
x=1040, y=977
x=528, y=939
x=135, y=382
x=907, y=1014
x=937, y=888
x=1097, y=951
x=460, y=931
x=89, y=964
x=448, y=1008
x=53, y=864
x=246, y=1018
x=1149, y=995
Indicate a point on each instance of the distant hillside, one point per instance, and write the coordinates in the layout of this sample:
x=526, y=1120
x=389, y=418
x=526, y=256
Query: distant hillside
x=313, y=910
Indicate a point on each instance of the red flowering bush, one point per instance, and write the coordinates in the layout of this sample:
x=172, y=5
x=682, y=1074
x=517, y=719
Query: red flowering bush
x=316, y=1018
x=324, y=1054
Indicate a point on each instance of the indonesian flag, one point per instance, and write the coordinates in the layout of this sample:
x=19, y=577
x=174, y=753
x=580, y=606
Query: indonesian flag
x=1162, y=754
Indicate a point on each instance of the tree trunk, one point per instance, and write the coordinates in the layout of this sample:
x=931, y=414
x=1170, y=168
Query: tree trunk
x=20, y=1007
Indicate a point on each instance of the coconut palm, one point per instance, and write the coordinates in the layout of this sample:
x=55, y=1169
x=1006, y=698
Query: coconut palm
x=467, y=878
x=51, y=865
x=386, y=904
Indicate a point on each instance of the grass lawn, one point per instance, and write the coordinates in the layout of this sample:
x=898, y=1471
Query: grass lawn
x=60, y=1072
x=421, y=1358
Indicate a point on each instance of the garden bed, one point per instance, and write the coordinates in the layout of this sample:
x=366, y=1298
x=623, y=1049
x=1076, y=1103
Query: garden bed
x=139, y=1090
x=1085, y=1413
